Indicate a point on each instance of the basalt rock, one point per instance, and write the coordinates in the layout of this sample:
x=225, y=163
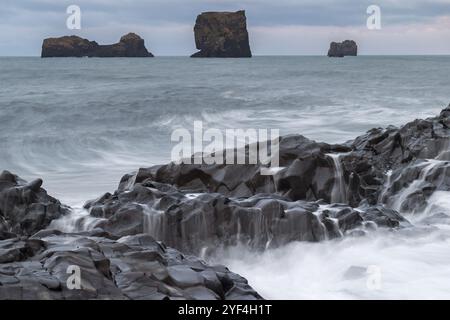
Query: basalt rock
x=36, y=262
x=308, y=173
x=342, y=49
x=130, y=45
x=222, y=35
x=322, y=191
x=134, y=267
x=309, y=170
x=202, y=223
x=25, y=208
x=408, y=189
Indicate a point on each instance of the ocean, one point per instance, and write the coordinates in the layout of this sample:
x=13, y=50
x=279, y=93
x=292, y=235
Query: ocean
x=81, y=123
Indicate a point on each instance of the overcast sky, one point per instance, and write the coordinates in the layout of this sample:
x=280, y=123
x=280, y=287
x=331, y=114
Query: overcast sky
x=276, y=27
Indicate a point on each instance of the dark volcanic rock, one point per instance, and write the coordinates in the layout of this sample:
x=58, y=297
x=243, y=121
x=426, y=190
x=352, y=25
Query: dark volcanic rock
x=323, y=191
x=135, y=267
x=25, y=208
x=130, y=45
x=308, y=174
x=192, y=222
x=425, y=177
x=342, y=49
x=35, y=262
x=68, y=46
x=195, y=222
x=222, y=35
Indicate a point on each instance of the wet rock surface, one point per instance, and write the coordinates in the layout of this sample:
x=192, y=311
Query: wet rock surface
x=133, y=267
x=130, y=45
x=25, y=208
x=321, y=192
x=309, y=170
x=197, y=222
x=222, y=35
x=37, y=262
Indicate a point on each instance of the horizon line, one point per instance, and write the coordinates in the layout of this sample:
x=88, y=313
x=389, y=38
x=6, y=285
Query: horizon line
x=253, y=56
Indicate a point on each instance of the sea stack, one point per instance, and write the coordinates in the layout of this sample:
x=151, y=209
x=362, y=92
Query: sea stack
x=222, y=35
x=342, y=49
x=130, y=45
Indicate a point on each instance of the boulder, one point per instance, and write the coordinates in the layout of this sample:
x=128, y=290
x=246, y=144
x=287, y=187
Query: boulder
x=342, y=49
x=25, y=208
x=130, y=45
x=222, y=35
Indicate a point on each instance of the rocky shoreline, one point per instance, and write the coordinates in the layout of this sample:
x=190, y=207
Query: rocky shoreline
x=145, y=235
x=323, y=191
x=35, y=259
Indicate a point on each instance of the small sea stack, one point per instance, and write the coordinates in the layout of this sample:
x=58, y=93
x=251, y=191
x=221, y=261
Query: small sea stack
x=130, y=45
x=342, y=49
x=222, y=35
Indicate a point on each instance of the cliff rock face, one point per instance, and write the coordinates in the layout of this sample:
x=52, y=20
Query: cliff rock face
x=222, y=35
x=130, y=45
x=342, y=49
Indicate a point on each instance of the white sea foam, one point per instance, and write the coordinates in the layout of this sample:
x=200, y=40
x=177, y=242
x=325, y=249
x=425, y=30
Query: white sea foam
x=413, y=265
x=78, y=220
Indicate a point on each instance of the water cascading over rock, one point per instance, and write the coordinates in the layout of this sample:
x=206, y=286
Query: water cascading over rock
x=339, y=191
x=323, y=191
x=381, y=179
x=36, y=261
